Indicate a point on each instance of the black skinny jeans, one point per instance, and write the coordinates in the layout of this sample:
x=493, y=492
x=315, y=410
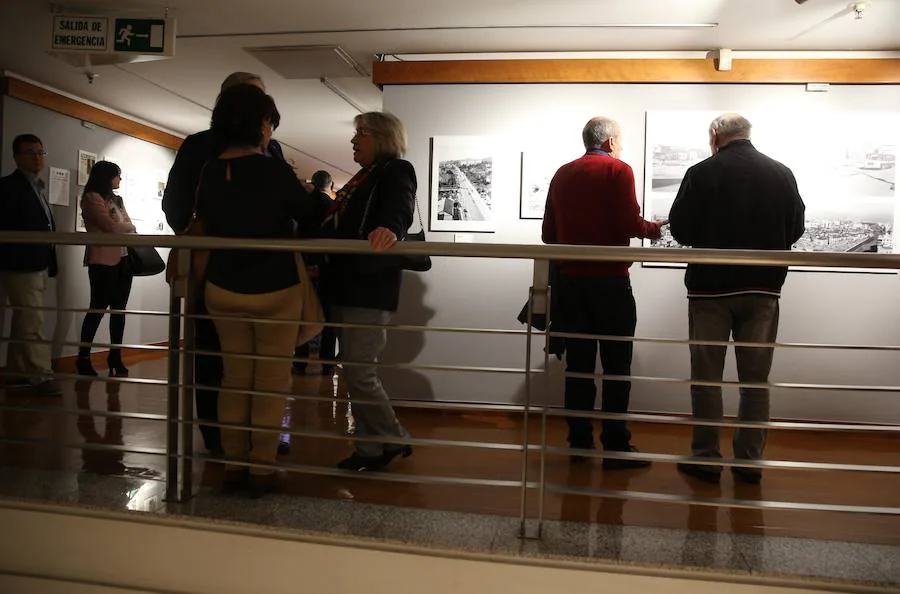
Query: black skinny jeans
x=110, y=288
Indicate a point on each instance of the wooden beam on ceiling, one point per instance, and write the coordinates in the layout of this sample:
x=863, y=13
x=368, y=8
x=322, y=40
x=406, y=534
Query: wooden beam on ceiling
x=834, y=71
x=24, y=91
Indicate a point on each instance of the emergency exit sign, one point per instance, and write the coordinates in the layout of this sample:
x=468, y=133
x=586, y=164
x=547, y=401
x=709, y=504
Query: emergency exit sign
x=78, y=33
x=140, y=35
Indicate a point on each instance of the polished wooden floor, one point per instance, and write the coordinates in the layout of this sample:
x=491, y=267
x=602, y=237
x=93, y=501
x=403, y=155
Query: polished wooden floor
x=26, y=417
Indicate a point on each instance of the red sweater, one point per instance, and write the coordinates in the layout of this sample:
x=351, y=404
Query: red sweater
x=591, y=201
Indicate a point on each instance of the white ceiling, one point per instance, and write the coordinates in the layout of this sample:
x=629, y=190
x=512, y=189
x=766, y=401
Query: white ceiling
x=213, y=36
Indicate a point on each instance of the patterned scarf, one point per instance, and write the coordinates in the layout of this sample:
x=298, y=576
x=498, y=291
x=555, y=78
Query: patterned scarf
x=332, y=219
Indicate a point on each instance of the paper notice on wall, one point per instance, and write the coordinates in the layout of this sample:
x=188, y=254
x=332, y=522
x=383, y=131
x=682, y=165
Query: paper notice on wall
x=86, y=162
x=58, y=192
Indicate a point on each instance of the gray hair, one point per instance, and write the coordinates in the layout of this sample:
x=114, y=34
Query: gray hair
x=599, y=130
x=730, y=126
x=386, y=130
x=239, y=78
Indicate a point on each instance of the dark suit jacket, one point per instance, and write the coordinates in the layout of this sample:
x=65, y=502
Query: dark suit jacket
x=196, y=150
x=21, y=210
x=363, y=280
x=737, y=199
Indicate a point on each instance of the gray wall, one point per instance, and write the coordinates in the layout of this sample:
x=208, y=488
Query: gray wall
x=63, y=137
x=817, y=307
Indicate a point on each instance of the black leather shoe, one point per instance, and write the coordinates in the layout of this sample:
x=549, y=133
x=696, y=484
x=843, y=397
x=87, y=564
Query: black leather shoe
x=235, y=481
x=742, y=475
x=83, y=367
x=620, y=464
x=284, y=448
x=577, y=459
x=262, y=485
x=371, y=463
x=701, y=472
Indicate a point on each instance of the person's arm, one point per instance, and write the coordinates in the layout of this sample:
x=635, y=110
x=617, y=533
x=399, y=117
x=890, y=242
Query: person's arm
x=8, y=206
x=179, y=196
x=629, y=211
x=798, y=224
x=683, y=217
x=548, y=228
x=393, y=205
x=95, y=211
x=300, y=204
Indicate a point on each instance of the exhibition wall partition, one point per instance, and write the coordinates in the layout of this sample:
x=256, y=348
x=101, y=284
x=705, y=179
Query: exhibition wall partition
x=484, y=154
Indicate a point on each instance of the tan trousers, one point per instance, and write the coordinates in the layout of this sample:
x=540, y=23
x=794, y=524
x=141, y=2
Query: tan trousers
x=263, y=375
x=26, y=289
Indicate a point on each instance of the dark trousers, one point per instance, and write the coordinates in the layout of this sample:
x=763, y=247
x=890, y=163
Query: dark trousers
x=748, y=318
x=110, y=288
x=598, y=305
x=207, y=372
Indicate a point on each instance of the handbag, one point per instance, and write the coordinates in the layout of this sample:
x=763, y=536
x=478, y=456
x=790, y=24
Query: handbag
x=144, y=260
x=310, y=307
x=199, y=258
x=402, y=261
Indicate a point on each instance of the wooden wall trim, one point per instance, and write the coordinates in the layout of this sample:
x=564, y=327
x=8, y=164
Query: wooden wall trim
x=24, y=91
x=843, y=71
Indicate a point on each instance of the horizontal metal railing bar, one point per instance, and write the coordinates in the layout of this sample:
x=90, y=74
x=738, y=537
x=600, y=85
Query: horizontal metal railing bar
x=736, y=384
x=86, y=412
x=728, y=462
x=717, y=502
x=139, y=312
x=95, y=378
x=97, y=345
x=473, y=250
x=419, y=479
x=125, y=449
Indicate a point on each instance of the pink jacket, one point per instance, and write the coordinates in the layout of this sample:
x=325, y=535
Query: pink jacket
x=104, y=216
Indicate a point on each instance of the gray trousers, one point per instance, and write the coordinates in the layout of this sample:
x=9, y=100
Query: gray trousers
x=26, y=289
x=749, y=318
x=372, y=408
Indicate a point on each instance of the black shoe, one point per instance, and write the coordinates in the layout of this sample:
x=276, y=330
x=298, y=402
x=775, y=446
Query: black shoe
x=744, y=475
x=117, y=369
x=370, y=463
x=83, y=367
x=235, y=481
x=621, y=464
x=701, y=472
x=284, y=448
x=577, y=459
x=328, y=370
x=298, y=369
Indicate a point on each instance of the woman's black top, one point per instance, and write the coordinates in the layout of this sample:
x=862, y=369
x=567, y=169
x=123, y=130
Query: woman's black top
x=262, y=199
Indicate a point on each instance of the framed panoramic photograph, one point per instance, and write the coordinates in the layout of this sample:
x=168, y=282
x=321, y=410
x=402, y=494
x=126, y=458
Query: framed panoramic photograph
x=846, y=176
x=461, y=196
x=538, y=167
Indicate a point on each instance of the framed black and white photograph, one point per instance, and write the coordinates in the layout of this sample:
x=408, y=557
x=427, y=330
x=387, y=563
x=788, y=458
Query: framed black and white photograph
x=462, y=184
x=86, y=162
x=846, y=176
x=539, y=165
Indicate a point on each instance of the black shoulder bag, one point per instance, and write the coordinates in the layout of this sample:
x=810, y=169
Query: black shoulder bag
x=402, y=261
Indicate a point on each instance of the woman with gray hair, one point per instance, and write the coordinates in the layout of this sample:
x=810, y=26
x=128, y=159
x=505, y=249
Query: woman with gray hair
x=377, y=205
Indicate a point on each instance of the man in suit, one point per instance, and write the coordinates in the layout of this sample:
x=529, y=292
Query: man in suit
x=591, y=201
x=25, y=268
x=737, y=199
x=178, y=206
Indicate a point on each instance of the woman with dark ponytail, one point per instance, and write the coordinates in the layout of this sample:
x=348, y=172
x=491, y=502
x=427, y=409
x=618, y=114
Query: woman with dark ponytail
x=110, y=278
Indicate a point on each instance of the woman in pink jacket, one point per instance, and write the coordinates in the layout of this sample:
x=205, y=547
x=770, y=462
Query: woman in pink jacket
x=110, y=278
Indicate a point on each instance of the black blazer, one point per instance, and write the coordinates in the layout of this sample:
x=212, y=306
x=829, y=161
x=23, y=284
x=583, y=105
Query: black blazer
x=21, y=210
x=737, y=199
x=196, y=150
x=362, y=280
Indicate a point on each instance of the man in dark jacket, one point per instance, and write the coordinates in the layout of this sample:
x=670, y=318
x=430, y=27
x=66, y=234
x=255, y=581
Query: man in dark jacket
x=736, y=199
x=591, y=201
x=25, y=268
x=178, y=206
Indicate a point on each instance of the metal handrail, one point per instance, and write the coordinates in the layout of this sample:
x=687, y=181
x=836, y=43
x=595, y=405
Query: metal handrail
x=473, y=250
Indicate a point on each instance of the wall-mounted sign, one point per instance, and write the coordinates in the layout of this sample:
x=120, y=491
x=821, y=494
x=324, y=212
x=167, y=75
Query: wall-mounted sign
x=140, y=35
x=79, y=33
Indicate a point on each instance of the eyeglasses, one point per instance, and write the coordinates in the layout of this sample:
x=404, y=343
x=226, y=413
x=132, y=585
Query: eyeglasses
x=360, y=132
x=33, y=153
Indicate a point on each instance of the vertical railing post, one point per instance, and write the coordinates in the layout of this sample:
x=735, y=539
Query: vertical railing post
x=542, y=482
x=186, y=451
x=537, y=304
x=172, y=378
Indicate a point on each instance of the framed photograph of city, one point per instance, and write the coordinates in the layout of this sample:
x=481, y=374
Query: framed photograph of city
x=461, y=195
x=846, y=175
x=538, y=167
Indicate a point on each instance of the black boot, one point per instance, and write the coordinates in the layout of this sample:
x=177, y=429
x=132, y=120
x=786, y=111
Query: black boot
x=83, y=366
x=116, y=367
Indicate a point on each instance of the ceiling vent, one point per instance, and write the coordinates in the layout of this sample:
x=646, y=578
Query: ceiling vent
x=309, y=61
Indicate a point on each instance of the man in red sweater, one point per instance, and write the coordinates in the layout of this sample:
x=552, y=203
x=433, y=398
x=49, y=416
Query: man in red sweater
x=592, y=201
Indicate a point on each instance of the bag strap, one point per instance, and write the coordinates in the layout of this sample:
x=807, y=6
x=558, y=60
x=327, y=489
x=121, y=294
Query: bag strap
x=362, y=224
